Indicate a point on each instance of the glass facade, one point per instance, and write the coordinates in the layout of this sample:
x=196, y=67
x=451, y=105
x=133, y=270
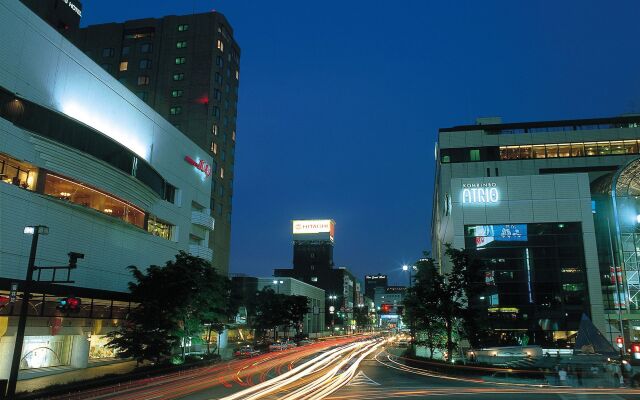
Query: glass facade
x=77, y=193
x=536, y=285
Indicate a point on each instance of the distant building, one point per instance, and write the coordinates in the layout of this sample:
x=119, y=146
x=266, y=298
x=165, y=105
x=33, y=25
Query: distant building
x=313, y=321
x=63, y=16
x=313, y=264
x=371, y=282
x=187, y=68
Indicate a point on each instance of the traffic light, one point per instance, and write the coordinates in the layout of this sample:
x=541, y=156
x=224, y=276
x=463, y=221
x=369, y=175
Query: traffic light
x=73, y=259
x=69, y=304
x=620, y=341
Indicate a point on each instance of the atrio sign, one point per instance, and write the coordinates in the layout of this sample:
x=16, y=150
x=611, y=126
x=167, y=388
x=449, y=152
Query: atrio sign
x=480, y=193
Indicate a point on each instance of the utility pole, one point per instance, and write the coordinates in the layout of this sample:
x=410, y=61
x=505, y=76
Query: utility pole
x=24, y=308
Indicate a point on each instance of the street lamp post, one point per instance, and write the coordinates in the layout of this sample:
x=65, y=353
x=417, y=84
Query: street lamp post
x=36, y=231
x=277, y=284
x=332, y=311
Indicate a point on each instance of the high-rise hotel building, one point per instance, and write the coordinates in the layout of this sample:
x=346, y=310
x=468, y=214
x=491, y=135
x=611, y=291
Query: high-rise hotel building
x=187, y=68
x=551, y=209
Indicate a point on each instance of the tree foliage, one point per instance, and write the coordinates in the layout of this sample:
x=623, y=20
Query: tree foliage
x=439, y=305
x=275, y=309
x=174, y=303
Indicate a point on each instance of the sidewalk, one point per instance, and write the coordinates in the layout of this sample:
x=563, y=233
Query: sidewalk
x=27, y=385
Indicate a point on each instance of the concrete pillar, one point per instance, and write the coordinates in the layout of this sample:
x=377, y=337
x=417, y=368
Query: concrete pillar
x=6, y=354
x=223, y=338
x=80, y=351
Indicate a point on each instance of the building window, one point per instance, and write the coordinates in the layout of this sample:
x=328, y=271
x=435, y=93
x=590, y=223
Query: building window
x=159, y=228
x=233, y=135
x=474, y=154
x=183, y=27
x=217, y=95
x=180, y=60
x=223, y=155
x=216, y=112
x=214, y=147
x=181, y=44
x=106, y=67
x=145, y=64
x=218, y=78
x=124, y=65
x=77, y=193
x=237, y=74
x=18, y=173
x=107, y=52
x=176, y=93
x=178, y=77
x=142, y=95
x=146, y=48
x=175, y=110
x=143, y=80
x=221, y=191
x=225, y=121
x=220, y=45
x=125, y=51
x=214, y=129
x=221, y=173
x=219, y=61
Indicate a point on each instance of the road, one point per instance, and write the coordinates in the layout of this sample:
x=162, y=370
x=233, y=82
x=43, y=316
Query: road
x=384, y=376
x=216, y=381
x=341, y=369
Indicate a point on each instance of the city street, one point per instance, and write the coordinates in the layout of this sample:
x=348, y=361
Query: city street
x=345, y=368
x=218, y=380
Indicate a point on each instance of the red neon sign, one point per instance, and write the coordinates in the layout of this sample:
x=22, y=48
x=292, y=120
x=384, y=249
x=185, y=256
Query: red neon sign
x=201, y=166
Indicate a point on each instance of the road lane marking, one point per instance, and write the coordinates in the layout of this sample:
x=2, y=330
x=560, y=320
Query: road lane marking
x=361, y=379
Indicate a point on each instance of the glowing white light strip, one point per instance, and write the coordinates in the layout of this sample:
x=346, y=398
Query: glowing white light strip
x=108, y=127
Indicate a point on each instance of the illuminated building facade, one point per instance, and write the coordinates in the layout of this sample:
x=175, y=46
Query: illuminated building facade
x=187, y=68
x=109, y=176
x=520, y=197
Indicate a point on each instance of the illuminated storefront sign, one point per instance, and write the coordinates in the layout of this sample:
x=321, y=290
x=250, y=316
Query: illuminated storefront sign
x=485, y=234
x=201, y=165
x=480, y=193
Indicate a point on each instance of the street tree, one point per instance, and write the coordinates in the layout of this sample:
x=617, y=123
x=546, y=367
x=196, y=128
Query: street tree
x=443, y=302
x=174, y=302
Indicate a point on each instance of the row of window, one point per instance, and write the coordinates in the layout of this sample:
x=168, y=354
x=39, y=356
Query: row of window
x=26, y=176
x=584, y=149
x=553, y=150
x=145, y=48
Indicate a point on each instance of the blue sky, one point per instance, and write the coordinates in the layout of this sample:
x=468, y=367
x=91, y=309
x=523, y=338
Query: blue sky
x=341, y=101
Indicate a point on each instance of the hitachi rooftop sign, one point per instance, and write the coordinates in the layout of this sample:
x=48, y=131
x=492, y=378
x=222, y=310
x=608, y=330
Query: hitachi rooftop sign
x=480, y=193
x=308, y=229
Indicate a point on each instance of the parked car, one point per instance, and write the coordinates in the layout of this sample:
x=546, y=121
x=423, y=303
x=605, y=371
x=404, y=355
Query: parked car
x=278, y=346
x=246, y=352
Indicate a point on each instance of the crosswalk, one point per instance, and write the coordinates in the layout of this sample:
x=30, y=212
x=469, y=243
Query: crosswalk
x=362, y=380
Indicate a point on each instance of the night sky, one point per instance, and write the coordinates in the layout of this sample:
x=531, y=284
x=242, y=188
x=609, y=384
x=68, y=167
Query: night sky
x=340, y=104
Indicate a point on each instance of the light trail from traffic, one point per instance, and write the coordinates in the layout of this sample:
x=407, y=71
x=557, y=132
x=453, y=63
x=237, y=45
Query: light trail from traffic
x=334, y=369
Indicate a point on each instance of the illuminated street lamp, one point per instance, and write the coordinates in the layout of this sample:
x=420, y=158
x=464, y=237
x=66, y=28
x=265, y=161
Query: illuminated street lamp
x=409, y=268
x=277, y=283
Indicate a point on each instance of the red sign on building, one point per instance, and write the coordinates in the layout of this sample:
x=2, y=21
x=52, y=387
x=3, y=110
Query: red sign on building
x=201, y=165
